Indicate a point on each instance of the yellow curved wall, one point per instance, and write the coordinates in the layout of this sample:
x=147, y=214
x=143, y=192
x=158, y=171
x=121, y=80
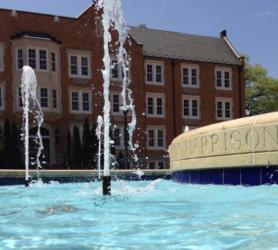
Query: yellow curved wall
x=251, y=141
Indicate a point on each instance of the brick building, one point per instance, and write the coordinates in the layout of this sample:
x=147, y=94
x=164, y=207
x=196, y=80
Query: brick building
x=177, y=79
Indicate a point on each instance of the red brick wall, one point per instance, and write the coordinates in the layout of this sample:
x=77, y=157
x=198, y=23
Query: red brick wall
x=80, y=33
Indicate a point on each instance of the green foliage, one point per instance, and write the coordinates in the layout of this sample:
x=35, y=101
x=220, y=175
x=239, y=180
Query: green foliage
x=76, y=148
x=68, y=153
x=6, y=150
x=82, y=155
x=10, y=150
x=15, y=148
x=94, y=141
x=261, y=90
x=90, y=145
x=121, y=160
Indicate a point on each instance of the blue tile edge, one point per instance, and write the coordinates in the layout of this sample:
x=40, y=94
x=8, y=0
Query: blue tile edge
x=246, y=176
x=9, y=181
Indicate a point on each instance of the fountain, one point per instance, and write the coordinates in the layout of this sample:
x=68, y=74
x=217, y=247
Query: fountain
x=112, y=17
x=31, y=106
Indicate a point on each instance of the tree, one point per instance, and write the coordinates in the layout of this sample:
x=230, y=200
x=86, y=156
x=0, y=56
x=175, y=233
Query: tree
x=112, y=150
x=68, y=153
x=76, y=148
x=94, y=141
x=87, y=147
x=7, y=146
x=121, y=160
x=261, y=90
x=15, y=147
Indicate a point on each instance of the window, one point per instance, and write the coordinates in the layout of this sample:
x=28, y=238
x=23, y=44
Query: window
x=191, y=107
x=149, y=73
x=43, y=59
x=44, y=97
x=223, y=109
x=117, y=137
x=53, y=61
x=80, y=101
x=1, y=97
x=37, y=59
x=156, y=165
x=154, y=72
x=151, y=165
x=84, y=66
x=150, y=105
x=158, y=73
x=190, y=76
x=20, y=101
x=1, y=59
x=161, y=164
x=115, y=103
x=19, y=59
x=156, y=138
x=54, y=99
x=79, y=66
x=115, y=70
x=85, y=101
x=223, y=78
x=155, y=105
x=118, y=134
x=32, y=58
x=74, y=101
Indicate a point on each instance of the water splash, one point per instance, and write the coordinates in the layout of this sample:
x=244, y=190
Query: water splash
x=32, y=106
x=112, y=17
x=99, y=134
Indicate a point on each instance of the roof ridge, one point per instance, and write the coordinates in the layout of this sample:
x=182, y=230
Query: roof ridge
x=176, y=32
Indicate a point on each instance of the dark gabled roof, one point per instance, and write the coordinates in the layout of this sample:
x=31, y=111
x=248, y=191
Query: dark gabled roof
x=37, y=35
x=158, y=43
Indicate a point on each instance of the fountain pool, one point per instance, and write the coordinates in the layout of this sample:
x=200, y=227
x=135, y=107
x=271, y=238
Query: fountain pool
x=140, y=215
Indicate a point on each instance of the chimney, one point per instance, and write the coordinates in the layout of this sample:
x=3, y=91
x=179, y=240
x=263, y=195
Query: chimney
x=223, y=33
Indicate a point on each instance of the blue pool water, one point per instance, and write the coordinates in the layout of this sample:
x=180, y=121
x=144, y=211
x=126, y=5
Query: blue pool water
x=139, y=215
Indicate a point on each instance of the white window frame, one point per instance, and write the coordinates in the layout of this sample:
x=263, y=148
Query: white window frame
x=80, y=102
x=223, y=70
x=155, y=96
x=16, y=56
x=223, y=101
x=2, y=66
x=2, y=100
x=190, y=67
x=154, y=64
x=191, y=98
x=37, y=58
x=79, y=65
x=156, y=129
